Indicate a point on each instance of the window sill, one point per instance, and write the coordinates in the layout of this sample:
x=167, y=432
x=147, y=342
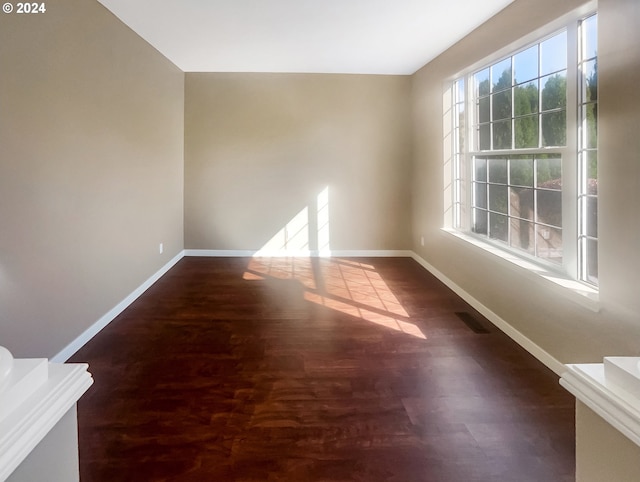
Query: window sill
x=576, y=291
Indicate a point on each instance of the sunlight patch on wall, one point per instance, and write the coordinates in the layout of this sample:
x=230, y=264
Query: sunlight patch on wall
x=322, y=203
x=306, y=233
x=292, y=239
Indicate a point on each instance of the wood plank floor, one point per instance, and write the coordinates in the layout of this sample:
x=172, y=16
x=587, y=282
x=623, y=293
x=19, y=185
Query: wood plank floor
x=239, y=369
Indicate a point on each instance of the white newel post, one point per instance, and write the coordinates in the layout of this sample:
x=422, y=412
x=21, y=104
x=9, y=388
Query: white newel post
x=607, y=419
x=38, y=424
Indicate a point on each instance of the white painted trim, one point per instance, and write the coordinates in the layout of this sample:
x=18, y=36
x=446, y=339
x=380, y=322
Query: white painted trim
x=589, y=384
x=94, y=329
x=543, y=356
x=514, y=334
x=381, y=253
x=576, y=291
x=108, y=317
x=31, y=422
x=292, y=254
x=220, y=253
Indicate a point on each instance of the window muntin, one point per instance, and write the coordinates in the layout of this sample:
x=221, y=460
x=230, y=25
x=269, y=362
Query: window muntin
x=521, y=112
x=520, y=101
x=518, y=200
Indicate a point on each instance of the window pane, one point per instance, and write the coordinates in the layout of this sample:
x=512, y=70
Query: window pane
x=460, y=112
x=549, y=243
x=590, y=27
x=554, y=91
x=479, y=221
x=482, y=82
x=522, y=203
x=498, y=198
x=592, y=216
x=461, y=137
x=549, y=207
x=525, y=65
x=549, y=173
x=460, y=90
x=592, y=260
x=502, y=135
x=480, y=171
x=591, y=132
x=480, y=195
x=526, y=134
x=485, y=137
x=553, y=54
x=484, y=113
x=501, y=75
x=502, y=105
x=499, y=227
x=521, y=170
x=498, y=170
x=526, y=98
x=460, y=128
x=590, y=78
x=592, y=172
x=522, y=235
x=554, y=128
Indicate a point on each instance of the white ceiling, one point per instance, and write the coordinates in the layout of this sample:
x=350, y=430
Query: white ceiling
x=316, y=36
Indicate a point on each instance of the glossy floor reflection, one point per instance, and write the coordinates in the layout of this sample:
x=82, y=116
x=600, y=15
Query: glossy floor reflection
x=348, y=286
x=285, y=369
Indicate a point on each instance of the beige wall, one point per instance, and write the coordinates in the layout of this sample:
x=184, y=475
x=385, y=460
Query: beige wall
x=91, y=172
x=602, y=452
x=259, y=148
x=92, y=131
x=563, y=328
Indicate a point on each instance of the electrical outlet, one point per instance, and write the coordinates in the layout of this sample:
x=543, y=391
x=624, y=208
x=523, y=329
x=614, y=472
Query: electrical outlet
x=421, y=240
x=161, y=248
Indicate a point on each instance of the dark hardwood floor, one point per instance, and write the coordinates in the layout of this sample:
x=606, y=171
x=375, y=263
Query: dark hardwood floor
x=239, y=369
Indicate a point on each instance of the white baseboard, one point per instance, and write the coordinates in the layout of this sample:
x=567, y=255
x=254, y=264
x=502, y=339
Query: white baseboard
x=542, y=355
x=220, y=253
x=93, y=330
x=380, y=253
x=297, y=254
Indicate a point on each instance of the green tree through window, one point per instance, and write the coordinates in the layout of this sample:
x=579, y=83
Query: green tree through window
x=518, y=113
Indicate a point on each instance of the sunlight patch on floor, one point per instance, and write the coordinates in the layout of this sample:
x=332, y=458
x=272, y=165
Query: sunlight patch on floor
x=347, y=286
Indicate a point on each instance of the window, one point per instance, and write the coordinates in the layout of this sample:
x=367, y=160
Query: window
x=525, y=151
x=588, y=151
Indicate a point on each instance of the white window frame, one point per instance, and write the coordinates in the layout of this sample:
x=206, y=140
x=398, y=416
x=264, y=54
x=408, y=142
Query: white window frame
x=462, y=164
